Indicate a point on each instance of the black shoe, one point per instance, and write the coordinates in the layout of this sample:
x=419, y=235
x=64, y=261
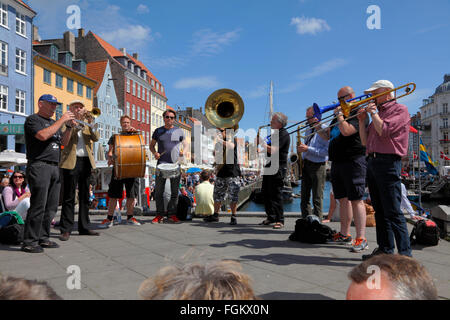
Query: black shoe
x=88, y=233
x=64, y=236
x=233, y=221
x=49, y=244
x=212, y=218
x=32, y=249
x=375, y=252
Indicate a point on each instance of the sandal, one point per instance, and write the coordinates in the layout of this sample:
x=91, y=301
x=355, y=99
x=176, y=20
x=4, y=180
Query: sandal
x=266, y=222
x=278, y=225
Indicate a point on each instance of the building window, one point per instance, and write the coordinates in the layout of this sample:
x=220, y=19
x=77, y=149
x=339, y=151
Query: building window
x=88, y=93
x=100, y=131
x=445, y=108
x=134, y=88
x=107, y=130
x=54, y=53
x=138, y=91
x=20, y=101
x=153, y=119
x=79, y=89
x=59, y=81
x=3, y=15
x=138, y=111
x=3, y=58
x=127, y=111
x=20, y=24
x=128, y=85
x=148, y=117
x=69, y=85
x=445, y=122
x=21, y=58
x=148, y=96
x=143, y=115
x=162, y=88
x=153, y=83
x=47, y=77
x=4, y=97
x=133, y=112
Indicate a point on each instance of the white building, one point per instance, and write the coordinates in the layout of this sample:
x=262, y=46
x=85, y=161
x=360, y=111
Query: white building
x=435, y=121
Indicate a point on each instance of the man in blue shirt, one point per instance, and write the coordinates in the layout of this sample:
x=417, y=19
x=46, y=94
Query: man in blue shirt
x=315, y=155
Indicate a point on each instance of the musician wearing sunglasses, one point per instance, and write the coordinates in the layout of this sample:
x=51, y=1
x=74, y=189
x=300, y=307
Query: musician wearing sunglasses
x=77, y=162
x=16, y=196
x=386, y=140
x=348, y=173
x=171, y=143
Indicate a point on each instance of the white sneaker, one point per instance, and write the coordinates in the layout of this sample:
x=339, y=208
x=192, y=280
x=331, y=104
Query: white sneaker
x=133, y=222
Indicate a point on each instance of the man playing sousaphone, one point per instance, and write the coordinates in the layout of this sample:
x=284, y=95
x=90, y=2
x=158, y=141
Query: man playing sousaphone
x=227, y=173
x=116, y=186
x=168, y=155
x=77, y=162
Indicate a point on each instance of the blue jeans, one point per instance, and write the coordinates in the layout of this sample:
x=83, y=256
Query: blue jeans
x=383, y=178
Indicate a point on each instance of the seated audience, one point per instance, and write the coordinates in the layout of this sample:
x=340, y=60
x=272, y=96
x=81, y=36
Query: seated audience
x=401, y=278
x=16, y=196
x=204, y=196
x=219, y=280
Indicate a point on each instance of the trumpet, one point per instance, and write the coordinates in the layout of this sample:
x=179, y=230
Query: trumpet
x=89, y=115
x=352, y=105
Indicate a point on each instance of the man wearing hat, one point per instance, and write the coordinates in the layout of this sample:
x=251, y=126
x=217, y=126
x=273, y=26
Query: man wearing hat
x=77, y=162
x=43, y=139
x=386, y=141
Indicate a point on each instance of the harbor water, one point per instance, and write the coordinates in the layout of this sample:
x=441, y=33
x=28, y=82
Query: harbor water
x=293, y=206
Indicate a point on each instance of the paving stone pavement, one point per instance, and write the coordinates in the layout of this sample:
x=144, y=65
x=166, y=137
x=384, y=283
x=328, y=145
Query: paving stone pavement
x=114, y=264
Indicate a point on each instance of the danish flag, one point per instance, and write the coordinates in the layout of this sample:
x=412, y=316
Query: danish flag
x=443, y=156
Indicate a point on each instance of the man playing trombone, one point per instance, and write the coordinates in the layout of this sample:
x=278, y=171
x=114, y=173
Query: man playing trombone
x=315, y=154
x=386, y=140
x=348, y=173
x=77, y=162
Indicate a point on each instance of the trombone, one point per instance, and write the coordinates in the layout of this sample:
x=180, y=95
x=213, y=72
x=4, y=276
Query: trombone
x=352, y=105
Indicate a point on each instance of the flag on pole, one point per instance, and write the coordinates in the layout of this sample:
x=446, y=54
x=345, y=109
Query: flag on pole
x=412, y=129
x=427, y=159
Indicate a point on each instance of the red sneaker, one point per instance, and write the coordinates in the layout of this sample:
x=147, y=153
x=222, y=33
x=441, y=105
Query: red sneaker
x=157, y=219
x=173, y=219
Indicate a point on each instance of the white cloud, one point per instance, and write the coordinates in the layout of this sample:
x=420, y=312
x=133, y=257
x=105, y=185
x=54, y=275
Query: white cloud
x=207, y=82
x=309, y=25
x=130, y=35
x=142, y=9
x=207, y=42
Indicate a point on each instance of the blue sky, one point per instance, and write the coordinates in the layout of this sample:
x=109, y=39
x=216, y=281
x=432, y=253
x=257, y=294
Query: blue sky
x=308, y=48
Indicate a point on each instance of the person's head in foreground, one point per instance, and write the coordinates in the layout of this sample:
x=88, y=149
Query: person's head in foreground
x=391, y=277
x=22, y=289
x=219, y=280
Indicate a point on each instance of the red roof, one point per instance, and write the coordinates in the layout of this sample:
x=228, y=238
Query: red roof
x=113, y=52
x=170, y=108
x=96, y=71
x=25, y=5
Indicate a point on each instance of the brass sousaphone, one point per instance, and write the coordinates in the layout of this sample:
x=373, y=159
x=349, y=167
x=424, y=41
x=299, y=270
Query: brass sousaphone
x=224, y=108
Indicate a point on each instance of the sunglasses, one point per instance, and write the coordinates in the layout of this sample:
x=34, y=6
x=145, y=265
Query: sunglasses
x=168, y=117
x=17, y=177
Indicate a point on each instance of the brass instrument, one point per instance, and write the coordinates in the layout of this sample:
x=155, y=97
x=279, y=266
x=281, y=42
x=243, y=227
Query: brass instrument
x=350, y=106
x=90, y=116
x=224, y=108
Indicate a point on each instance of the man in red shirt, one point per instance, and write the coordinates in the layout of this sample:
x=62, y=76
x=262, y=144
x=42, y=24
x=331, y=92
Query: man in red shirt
x=386, y=141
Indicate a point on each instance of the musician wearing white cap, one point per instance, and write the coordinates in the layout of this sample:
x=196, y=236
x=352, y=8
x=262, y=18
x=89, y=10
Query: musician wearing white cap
x=386, y=141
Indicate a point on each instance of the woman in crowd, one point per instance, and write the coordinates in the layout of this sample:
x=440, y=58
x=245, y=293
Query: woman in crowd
x=16, y=196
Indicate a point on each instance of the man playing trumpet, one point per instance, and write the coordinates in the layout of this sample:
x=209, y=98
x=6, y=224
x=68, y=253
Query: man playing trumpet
x=77, y=162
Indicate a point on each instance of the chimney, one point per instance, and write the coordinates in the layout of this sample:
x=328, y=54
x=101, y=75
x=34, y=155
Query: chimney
x=124, y=51
x=81, y=33
x=136, y=56
x=69, y=42
x=36, y=36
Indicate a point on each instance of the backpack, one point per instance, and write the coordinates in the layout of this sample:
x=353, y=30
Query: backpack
x=425, y=232
x=183, y=206
x=311, y=231
x=11, y=228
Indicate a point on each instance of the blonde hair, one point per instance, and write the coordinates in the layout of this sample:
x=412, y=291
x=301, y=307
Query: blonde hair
x=219, y=280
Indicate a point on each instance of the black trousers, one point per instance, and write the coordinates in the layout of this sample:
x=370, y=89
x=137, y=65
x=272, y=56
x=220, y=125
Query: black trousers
x=43, y=179
x=272, y=187
x=78, y=176
x=313, y=179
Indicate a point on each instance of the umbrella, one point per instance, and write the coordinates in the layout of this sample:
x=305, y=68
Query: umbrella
x=193, y=170
x=9, y=158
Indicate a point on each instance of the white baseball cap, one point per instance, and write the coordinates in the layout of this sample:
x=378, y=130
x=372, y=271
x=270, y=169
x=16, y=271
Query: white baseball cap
x=380, y=84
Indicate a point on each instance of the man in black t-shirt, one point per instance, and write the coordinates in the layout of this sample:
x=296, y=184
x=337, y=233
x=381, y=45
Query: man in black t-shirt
x=228, y=174
x=348, y=173
x=43, y=139
x=272, y=186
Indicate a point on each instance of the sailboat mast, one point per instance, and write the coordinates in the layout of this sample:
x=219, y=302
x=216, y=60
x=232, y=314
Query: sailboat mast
x=271, y=100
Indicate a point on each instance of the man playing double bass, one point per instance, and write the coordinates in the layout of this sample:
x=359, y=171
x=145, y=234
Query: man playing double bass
x=116, y=186
x=169, y=139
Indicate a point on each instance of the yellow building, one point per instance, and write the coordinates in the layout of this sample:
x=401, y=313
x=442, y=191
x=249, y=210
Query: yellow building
x=57, y=73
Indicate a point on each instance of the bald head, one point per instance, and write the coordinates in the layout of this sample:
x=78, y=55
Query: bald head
x=346, y=93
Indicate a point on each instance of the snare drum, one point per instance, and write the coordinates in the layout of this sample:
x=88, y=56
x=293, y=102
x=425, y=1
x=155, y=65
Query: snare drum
x=130, y=156
x=168, y=170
